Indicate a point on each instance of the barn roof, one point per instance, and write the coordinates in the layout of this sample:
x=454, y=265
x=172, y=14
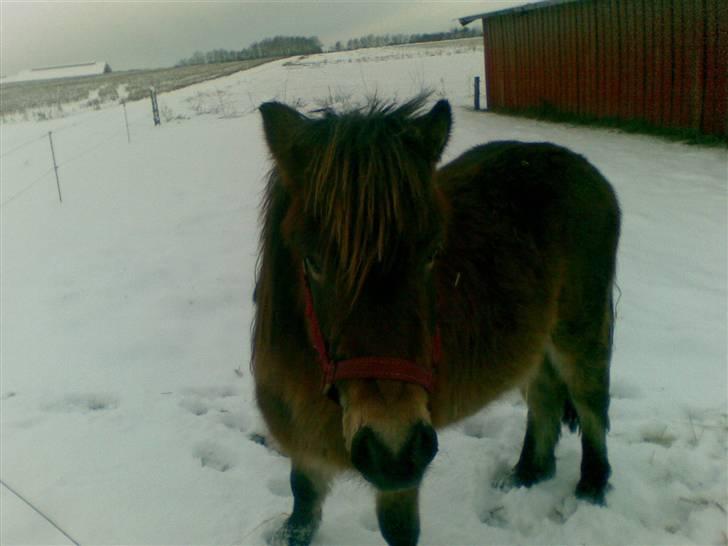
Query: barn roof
x=526, y=7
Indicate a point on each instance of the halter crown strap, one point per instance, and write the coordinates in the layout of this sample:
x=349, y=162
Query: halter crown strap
x=370, y=367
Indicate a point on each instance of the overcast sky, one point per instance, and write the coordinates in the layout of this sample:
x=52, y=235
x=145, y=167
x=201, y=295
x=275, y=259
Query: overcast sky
x=148, y=34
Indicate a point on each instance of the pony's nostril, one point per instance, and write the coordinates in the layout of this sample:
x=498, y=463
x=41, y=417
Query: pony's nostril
x=423, y=445
x=366, y=451
x=389, y=470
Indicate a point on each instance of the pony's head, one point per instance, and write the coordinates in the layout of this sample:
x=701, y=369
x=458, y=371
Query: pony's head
x=363, y=225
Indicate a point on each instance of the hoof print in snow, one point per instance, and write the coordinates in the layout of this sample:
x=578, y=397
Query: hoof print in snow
x=218, y=404
x=83, y=403
x=194, y=406
x=233, y=420
x=657, y=434
x=473, y=429
x=623, y=390
x=214, y=457
x=279, y=487
x=505, y=479
x=210, y=393
x=494, y=517
x=265, y=441
x=560, y=513
x=258, y=438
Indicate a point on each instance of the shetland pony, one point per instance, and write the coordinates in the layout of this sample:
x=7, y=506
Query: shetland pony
x=394, y=298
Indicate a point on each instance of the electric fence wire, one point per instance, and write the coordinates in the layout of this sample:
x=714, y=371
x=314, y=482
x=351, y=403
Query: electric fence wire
x=26, y=188
x=21, y=192
x=37, y=511
x=115, y=134
x=23, y=145
x=80, y=123
x=43, y=136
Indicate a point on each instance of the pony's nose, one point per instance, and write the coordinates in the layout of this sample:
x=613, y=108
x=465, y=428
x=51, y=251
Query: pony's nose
x=387, y=470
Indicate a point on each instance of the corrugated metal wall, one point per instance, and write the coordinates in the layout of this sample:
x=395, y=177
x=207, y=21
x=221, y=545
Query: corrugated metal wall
x=664, y=62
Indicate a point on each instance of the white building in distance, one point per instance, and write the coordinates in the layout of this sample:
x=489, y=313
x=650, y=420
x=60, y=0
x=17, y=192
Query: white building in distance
x=62, y=71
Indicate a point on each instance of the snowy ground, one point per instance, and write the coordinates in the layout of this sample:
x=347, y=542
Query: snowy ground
x=126, y=311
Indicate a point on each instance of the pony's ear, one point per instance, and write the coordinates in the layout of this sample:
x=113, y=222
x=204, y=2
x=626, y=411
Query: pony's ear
x=283, y=126
x=434, y=129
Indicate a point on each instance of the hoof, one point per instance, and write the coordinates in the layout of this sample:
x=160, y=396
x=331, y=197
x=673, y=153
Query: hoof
x=524, y=476
x=506, y=480
x=290, y=535
x=593, y=493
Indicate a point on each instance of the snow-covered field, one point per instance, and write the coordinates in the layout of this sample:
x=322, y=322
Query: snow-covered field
x=125, y=313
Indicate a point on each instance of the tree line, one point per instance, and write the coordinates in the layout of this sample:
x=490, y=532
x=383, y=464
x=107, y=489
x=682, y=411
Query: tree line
x=284, y=46
x=278, y=46
x=379, y=40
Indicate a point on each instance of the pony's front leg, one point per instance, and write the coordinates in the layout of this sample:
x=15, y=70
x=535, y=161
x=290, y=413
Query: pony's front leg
x=399, y=516
x=309, y=488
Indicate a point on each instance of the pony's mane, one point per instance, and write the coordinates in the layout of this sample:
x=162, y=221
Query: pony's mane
x=366, y=186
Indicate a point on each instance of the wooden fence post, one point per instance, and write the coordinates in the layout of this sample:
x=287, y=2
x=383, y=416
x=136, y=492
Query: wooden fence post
x=155, y=106
x=476, y=93
x=55, y=166
x=126, y=121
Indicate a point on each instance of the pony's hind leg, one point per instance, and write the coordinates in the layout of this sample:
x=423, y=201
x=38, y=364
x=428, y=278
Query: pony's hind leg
x=583, y=363
x=545, y=396
x=309, y=488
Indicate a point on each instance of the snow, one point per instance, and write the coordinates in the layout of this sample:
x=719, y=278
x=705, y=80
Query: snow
x=127, y=408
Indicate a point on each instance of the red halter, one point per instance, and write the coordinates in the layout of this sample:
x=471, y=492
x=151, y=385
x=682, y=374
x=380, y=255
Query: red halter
x=368, y=367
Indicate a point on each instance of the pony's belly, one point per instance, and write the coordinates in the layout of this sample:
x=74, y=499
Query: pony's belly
x=463, y=395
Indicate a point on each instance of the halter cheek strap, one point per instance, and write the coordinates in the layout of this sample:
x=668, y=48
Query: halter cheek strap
x=370, y=367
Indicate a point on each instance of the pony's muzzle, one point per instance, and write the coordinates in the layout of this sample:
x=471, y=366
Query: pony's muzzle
x=387, y=470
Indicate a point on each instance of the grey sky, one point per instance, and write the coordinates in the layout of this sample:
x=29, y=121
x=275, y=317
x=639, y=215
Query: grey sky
x=145, y=34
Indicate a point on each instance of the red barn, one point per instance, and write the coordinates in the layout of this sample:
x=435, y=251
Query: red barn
x=659, y=62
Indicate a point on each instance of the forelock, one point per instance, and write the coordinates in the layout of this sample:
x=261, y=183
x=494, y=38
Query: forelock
x=365, y=188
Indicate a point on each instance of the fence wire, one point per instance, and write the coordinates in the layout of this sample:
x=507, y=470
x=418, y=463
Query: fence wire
x=23, y=145
x=26, y=188
x=106, y=137
x=39, y=512
x=99, y=144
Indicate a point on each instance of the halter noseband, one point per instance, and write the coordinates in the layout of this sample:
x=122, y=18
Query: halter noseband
x=368, y=367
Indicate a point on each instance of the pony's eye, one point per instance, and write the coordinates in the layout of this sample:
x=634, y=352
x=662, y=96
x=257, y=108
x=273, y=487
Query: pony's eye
x=312, y=267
